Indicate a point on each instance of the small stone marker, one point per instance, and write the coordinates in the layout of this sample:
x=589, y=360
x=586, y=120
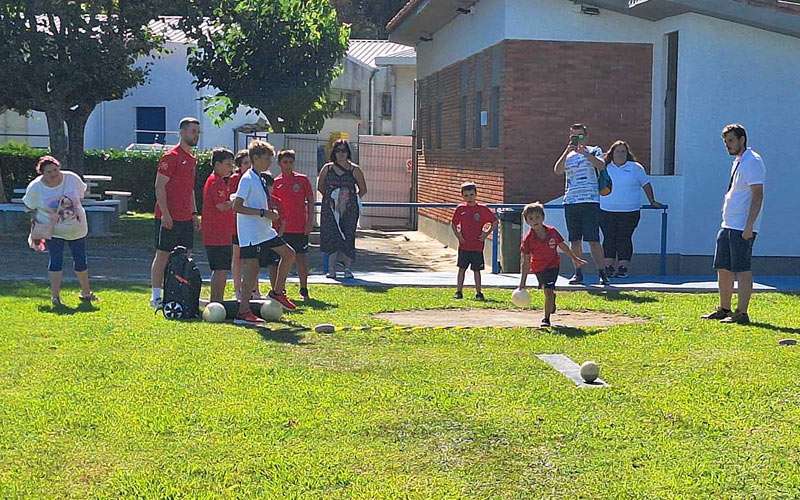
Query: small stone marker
x=325, y=328
x=787, y=342
x=569, y=369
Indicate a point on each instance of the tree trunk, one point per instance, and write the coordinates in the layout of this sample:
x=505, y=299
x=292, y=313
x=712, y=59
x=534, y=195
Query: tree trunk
x=58, y=133
x=76, y=128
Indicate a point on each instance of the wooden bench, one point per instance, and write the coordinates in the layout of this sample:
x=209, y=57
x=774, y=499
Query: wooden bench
x=15, y=219
x=122, y=197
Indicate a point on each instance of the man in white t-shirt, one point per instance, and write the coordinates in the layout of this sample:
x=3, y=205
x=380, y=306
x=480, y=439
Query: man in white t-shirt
x=257, y=238
x=740, y=223
x=581, y=163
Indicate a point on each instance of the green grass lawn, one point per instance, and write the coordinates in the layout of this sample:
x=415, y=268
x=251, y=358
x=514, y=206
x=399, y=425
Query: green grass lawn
x=119, y=402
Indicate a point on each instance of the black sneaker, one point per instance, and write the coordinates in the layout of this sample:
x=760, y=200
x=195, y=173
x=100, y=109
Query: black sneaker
x=603, y=277
x=304, y=293
x=719, y=314
x=577, y=278
x=545, y=322
x=458, y=295
x=610, y=271
x=739, y=318
x=622, y=272
x=479, y=296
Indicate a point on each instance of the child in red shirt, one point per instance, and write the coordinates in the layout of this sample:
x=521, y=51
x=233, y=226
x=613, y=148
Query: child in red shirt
x=298, y=197
x=242, y=162
x=271, y=258
x=472, y=223
x=219, y=225
x=539, y=251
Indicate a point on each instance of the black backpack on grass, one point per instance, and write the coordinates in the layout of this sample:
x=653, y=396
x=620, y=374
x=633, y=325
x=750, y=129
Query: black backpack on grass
x=182, y=282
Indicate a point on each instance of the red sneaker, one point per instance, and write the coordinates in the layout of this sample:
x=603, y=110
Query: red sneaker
x=248, y=318
x=283, y=300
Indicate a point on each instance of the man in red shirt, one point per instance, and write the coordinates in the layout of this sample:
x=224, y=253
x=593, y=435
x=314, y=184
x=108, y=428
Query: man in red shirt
x=472, y=223
x=539, y=251
x=219, y=223
x=176, y=208
x=297, y=203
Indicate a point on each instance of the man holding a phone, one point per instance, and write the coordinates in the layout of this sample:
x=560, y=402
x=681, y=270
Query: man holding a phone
x=581, y=163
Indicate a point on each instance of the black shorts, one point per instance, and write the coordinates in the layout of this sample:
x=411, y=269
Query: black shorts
x=263, y=252
x=298, y=241
x=181, y=234
x=583, y=221
x=219, y=257
x=470, y=258
x=547, y=278
x=733, y=253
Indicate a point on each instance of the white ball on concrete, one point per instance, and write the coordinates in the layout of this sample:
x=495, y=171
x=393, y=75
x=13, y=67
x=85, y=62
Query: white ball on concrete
x=520, y=298
x=590, y=371
x=214, y=312
x=271, y=310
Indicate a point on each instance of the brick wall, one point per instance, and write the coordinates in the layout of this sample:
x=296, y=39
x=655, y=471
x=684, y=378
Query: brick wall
x=550, y=85
x=544, y=87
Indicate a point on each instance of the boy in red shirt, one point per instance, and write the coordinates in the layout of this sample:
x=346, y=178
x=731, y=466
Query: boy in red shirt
x=242, y=163
x=472, y=223
x=297, y=198
x=219, y=223
x=271, y=259
x=540, y=251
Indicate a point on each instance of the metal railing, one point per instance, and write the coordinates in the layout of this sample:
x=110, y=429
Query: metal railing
x=496, y=232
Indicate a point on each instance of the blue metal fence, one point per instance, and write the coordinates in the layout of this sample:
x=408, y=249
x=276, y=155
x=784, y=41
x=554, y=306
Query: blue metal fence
x=496, y=234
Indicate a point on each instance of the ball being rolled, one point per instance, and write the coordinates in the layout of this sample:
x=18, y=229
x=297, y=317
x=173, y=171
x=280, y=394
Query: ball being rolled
x=520, y=298
x=590, y=371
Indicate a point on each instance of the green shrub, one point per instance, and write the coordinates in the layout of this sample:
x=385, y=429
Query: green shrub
x=130, y=171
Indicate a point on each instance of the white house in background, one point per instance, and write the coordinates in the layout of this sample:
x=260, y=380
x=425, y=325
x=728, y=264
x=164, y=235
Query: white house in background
x=509, y=76
x=150, y=113
x=378, y=72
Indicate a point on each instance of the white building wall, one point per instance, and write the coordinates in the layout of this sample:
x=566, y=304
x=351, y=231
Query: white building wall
x=734, y=73
x=726, y=73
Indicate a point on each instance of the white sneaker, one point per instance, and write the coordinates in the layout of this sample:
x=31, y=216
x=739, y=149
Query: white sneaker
x=155, y=304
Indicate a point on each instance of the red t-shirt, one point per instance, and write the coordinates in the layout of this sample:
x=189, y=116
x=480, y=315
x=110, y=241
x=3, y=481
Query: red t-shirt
x=234, y=181
x=293, y=190
x=218, y=226
x=471, y=220
x=277, y=204
x=180, y=167
x=543, y=251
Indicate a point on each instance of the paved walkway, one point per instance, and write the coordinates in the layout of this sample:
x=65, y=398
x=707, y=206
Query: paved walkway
x=384, y=259
x=488, y=280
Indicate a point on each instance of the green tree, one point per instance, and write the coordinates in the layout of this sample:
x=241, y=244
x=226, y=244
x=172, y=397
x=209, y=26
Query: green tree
x=276, y=56
x=64, y=57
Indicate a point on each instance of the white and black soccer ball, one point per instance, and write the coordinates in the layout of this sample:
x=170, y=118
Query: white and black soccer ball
x=173, y=310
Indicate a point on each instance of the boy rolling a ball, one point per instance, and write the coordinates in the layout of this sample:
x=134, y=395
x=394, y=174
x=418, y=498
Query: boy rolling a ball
x=540, y=250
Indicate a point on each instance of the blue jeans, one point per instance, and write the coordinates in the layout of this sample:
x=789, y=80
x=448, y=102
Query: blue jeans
x=55, y=248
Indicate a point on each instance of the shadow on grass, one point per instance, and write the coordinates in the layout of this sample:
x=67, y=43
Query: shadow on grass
x=614, y=295
x=63, y=310
x=776, y=328
x=317, y=304
x=570, y=331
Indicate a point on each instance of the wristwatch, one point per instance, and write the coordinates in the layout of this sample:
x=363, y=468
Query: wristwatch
x=261, y=213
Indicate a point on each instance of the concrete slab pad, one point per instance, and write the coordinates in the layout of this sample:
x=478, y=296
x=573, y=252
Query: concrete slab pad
x=569, y=369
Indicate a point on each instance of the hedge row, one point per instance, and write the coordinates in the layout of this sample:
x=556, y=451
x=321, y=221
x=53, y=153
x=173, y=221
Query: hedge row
x=130, y=171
